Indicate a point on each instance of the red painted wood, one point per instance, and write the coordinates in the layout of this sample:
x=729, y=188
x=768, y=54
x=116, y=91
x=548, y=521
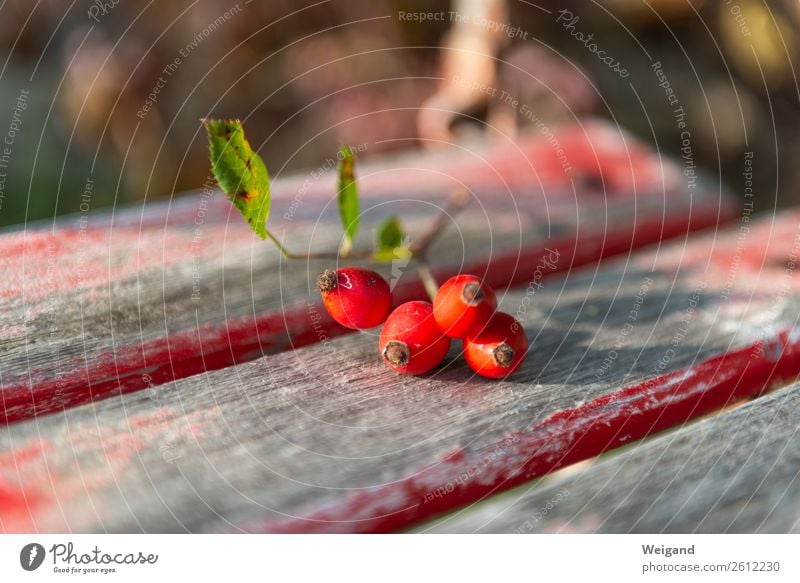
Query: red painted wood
x=763, y=267
x=564, y=438
x=213, y=347
x=606, y=167
x=96, y=458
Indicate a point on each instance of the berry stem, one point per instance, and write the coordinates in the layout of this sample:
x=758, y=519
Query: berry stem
x=284, y=251
x=426, y=276
x=324, y=255
x=458, y=199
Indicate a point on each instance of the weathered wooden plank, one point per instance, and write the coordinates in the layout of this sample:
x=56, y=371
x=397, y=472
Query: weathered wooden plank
x=109, y=303
x=733, y=472
x=324, y=438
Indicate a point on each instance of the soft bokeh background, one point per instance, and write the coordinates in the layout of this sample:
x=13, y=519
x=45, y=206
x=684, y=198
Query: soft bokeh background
x=308, y=75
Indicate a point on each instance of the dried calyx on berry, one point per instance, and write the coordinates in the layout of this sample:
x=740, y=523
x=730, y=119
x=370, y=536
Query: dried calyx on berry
x=503, y=355
x=498, y=349
x=396, y=353
x=411, y=342
x=463, y=305
x=326, y=281
x=472, y=294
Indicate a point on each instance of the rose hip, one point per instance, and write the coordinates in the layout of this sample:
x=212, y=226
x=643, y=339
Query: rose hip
x=411, y=342
x=356, y=298
x=463, y=305
x=497, y=350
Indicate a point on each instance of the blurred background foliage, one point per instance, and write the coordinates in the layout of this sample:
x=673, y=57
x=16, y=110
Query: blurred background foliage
x=308, y=75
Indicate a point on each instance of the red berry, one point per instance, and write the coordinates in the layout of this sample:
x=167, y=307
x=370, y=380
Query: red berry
x=356, y=298
x=411, y=342
x=463, y=306
x=498, y=349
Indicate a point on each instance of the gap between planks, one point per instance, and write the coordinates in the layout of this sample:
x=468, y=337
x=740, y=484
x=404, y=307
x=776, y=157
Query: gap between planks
x=462, y=519
x=732, y=473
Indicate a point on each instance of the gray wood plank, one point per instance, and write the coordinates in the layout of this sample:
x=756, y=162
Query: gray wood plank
x=737, y=472
x=106, y=303
x=327, y=431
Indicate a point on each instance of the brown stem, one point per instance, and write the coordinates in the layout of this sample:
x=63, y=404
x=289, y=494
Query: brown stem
x=329, y=255
x=425, y=274
x=324, y=255
x=458, y=200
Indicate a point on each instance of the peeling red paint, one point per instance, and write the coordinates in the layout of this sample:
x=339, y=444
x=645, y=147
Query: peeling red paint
x=40, y=263
x=213, y=347
x=564, y=438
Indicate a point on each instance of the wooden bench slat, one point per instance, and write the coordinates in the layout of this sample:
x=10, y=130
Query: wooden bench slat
x=104, y=305
x=325, y=438
x=733, y=472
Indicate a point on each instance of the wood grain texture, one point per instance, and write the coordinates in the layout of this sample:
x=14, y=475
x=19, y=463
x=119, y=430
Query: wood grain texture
x=325, y=438
x=106, y=303
x=733, y=472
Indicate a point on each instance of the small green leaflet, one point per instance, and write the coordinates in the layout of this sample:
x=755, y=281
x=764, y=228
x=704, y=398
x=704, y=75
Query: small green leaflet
x=348, y=197
x=391, y=242
x=240, y=172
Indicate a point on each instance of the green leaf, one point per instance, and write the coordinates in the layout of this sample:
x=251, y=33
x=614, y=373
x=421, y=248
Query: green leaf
x=392, y=243
x=240, y=172
x=390, y=234
x=348, y=197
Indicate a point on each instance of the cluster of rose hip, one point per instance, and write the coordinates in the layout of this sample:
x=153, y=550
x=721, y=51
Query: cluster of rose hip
x=416, y=336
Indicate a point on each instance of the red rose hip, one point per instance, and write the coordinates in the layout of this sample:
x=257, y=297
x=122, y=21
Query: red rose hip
x=497, y=350
x=411, y=342
x=356, y=298
x=463, y=306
